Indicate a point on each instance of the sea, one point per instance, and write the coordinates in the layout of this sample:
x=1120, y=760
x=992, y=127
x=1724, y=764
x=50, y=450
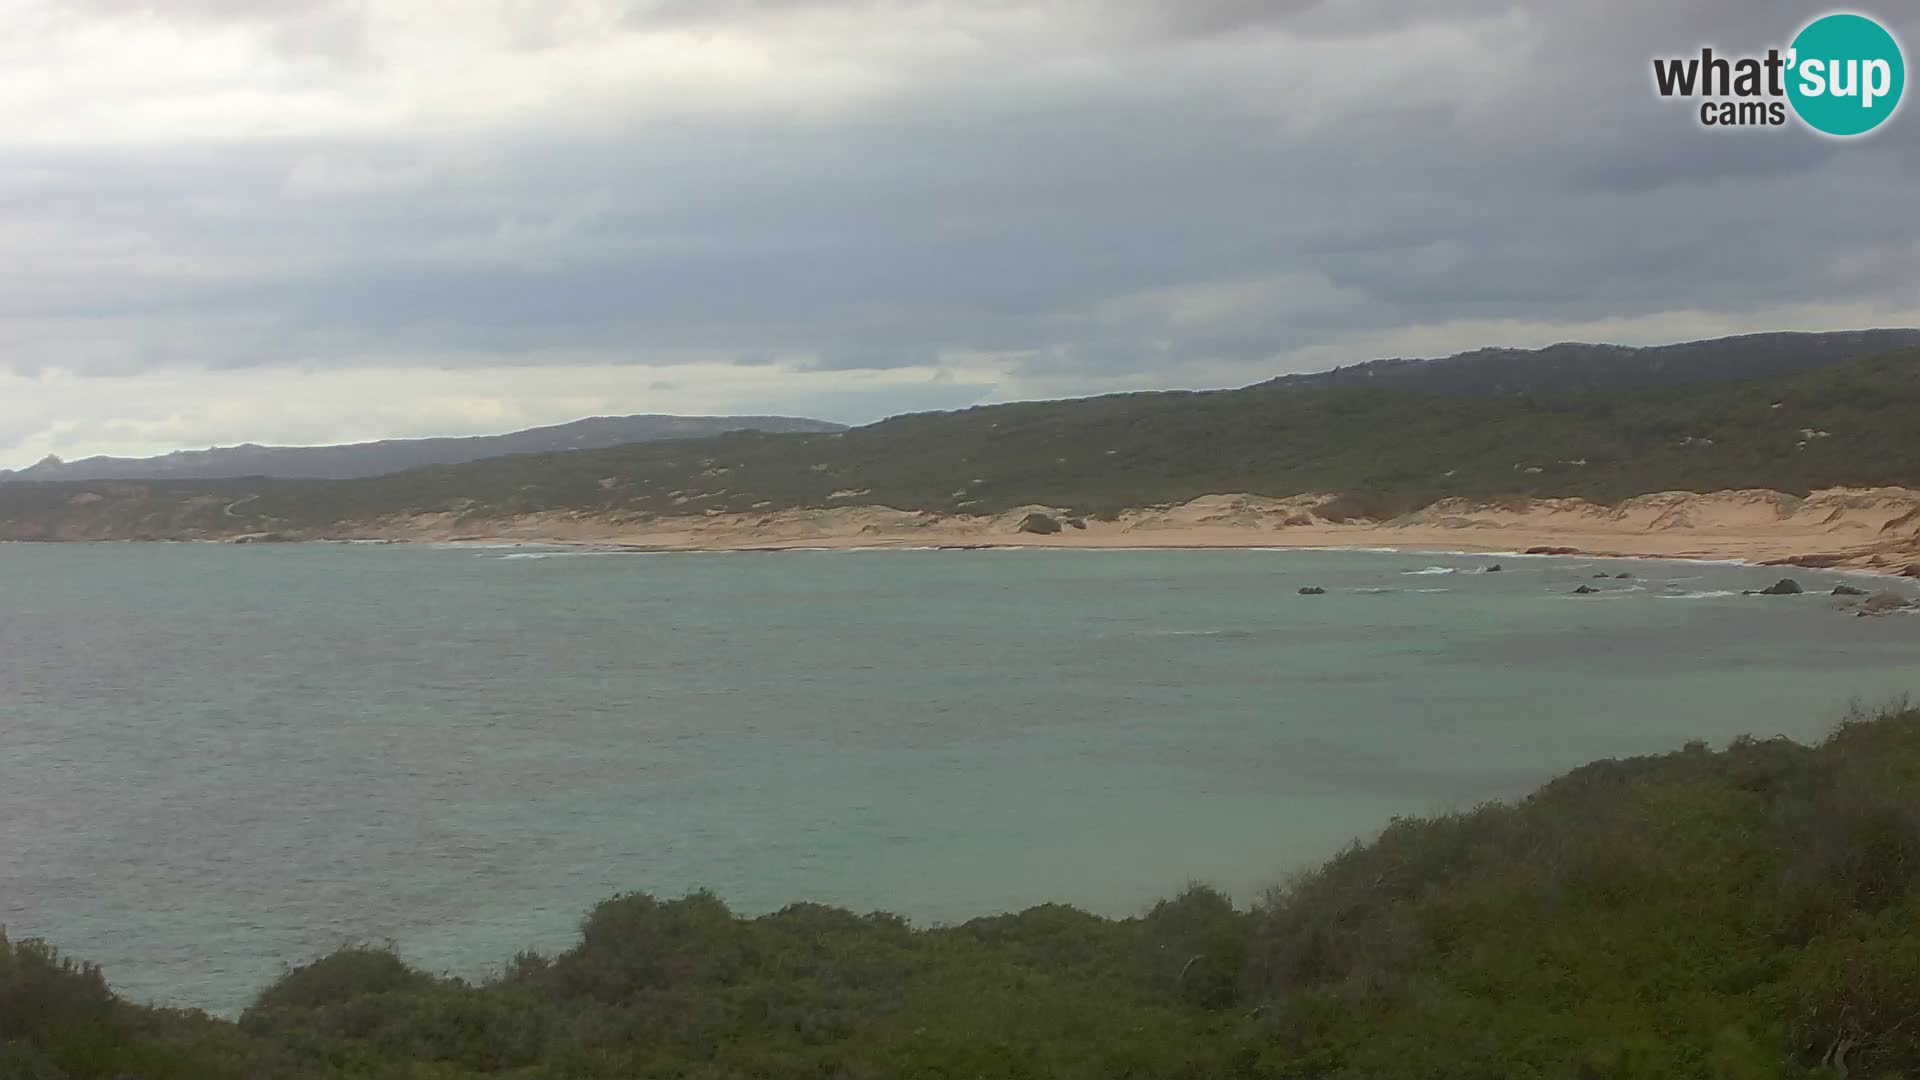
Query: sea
x=218, y=761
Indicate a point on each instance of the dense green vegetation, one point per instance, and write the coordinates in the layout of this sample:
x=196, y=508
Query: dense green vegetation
x=1748, y=913
x=1389, y=451
x=1574, y=367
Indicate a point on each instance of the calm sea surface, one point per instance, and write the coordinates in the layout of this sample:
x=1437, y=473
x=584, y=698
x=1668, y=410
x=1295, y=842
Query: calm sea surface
x=218, y=760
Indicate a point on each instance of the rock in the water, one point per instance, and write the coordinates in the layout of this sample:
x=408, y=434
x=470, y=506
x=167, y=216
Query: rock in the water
x=1039, y=524
x=1494, y=569
x=1585, y=590
x=1624, y=577
x=1786, y=586
x=1312, y=590
x=1603, y=574
x=1848, y=590
x=1881, y=603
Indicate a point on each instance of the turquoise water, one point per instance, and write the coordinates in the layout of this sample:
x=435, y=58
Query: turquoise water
x=218, y=760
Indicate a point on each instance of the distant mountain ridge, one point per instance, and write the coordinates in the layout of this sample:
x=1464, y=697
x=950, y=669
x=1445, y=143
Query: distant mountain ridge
x=1385, y=451
x=1556, y=370
x=355, y=460
x=1573, y=367
x=1213, y=421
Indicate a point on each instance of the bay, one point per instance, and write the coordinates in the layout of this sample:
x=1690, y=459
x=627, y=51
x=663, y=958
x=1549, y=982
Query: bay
x=216, y=761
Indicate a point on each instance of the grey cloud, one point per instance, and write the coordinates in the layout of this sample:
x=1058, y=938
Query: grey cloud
x=1015, y=216
x=1193, y=18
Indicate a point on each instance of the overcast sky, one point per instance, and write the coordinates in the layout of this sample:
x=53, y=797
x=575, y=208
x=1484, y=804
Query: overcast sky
x=329, y=220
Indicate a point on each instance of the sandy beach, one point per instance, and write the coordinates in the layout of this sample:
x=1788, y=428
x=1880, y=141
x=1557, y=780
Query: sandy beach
x=1867, y=529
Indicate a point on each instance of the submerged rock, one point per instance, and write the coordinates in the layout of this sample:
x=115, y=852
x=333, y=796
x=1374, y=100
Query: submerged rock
x=1882, y=603
x=1848, y=590
x=1585, y=590
x=1624, y=577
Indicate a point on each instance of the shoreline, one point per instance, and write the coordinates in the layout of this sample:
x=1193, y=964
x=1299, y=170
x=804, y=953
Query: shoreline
x=588, y=546
x=1869, y=531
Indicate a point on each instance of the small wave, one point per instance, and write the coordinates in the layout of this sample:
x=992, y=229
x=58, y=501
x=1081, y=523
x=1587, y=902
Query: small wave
x=1431, y=570
x=1429, y=590
x=1704, y=594
x=1376, y=591
x=1226, y=633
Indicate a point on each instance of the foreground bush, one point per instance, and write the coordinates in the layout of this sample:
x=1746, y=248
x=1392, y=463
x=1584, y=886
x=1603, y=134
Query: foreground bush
x=1749, y=913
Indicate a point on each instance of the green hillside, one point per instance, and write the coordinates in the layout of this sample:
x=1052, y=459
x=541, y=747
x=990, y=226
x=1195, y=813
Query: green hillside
x=1739, y=915
x=1390, y=451
x=1581, y=367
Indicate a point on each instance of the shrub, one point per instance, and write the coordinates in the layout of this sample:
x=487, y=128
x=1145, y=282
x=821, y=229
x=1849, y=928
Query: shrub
x=340, y=976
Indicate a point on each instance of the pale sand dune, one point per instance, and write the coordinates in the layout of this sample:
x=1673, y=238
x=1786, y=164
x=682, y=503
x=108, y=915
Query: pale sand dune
x=1876, y=528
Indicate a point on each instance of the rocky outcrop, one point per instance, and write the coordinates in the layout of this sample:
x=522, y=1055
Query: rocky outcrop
x=1312, y=590
x=1039, y=524
x=1786, y=586
x=1848, y=590
x=1585, y=590
x=1811, y=562
x=1885, y=603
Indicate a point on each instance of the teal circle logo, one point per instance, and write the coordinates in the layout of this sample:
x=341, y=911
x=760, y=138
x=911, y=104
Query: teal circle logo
x=1845, y=74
